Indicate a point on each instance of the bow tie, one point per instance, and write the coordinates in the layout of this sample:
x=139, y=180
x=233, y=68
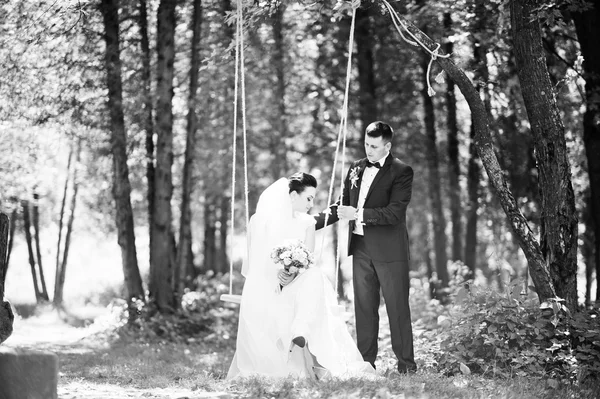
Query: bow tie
x=374, y=164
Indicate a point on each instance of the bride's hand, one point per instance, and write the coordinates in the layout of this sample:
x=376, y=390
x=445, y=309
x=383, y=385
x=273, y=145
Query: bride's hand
x=285, y=277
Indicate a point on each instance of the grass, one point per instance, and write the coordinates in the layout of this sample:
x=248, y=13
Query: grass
x=96, y=363
x=196, y=368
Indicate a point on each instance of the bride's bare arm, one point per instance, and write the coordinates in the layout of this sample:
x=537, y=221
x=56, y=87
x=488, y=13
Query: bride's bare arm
x=310, y=238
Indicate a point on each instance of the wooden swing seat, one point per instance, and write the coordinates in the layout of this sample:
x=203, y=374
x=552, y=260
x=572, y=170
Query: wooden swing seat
x=231, y=298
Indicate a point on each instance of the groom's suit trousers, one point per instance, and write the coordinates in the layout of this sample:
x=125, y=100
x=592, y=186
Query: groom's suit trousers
x=392, y=278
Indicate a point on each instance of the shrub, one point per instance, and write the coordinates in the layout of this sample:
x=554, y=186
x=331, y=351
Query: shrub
x=202, y=316
x=507, y=334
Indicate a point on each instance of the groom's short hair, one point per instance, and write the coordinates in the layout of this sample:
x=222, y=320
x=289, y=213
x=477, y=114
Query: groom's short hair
x=380, y=129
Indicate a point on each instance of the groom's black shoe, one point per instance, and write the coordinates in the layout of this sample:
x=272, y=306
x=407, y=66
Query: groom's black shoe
x=407, y=371
x=300, y=341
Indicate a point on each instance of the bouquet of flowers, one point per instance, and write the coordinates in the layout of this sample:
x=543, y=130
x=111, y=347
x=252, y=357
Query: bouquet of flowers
x=294, y=257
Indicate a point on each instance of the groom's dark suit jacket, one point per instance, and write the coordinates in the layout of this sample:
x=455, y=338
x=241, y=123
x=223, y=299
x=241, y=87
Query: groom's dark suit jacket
x=384, y=216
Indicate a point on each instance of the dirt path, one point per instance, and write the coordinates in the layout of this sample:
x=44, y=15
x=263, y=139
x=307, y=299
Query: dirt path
x=49, y=332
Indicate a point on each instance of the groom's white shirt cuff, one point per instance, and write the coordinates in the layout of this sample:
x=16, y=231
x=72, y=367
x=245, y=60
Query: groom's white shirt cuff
x=359, y=216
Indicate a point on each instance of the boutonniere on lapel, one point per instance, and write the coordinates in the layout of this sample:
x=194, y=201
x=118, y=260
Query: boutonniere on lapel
x=354, y=177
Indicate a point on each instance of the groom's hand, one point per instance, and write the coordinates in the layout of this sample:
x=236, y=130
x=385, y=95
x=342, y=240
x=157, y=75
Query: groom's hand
x=346, y=212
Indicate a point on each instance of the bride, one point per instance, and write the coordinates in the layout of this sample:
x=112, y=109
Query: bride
x=288, y=324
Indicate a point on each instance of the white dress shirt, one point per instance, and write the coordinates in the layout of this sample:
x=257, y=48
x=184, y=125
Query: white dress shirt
x=365, y=184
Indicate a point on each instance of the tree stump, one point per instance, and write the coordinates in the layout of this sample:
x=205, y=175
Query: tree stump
x=27, y=374
x=24, y=374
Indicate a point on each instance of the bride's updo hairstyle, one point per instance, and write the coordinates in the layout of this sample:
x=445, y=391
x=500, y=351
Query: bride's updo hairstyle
x=299, y=181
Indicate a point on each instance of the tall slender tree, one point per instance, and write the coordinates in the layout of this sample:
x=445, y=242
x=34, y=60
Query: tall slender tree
x=61, y=271
x=161, y=268
x=278, y=139
x=58, y=297
x=6, y=315
x=587, y=24
x=121, y=187
x=453, y=159
x=148, y=122
x=366, y=68
x=38, y=251
x=184, y=253
x=481, y=77
x=32, y=264
x=434, y=181
x=485, y=148
x=558, y=213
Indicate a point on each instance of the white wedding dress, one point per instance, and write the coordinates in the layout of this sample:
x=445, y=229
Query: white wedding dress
x=270, y=317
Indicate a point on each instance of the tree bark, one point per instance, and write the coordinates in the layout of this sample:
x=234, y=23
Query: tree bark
x=473, y=176
x=210, y=251
x=4, y=232
x=483, y=141
x=223, y=228
x=278, y=138
x=434, y=182
x=148, y=123
x=426, y=251
x=6, y=315
x=28, y=239
x=38, y=251
x=365, y=63
x=481, y=77
x=11, y=236
x=453, y=158
x=587, y=25
x=161, y=268
x=587, y=247
x=184, y=253
x=58, y=289
x=558, y=213
x=118, y=141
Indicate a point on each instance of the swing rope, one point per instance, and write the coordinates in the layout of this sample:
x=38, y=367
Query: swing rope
x=341, y=139
x=433, y=53
x=343, y=128
x=239, y=81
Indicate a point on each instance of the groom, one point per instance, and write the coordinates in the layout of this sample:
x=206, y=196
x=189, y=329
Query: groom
x=376, y=193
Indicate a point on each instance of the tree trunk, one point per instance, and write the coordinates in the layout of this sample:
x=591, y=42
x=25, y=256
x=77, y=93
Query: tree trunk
x=481, y=76
x=426, y=248
x=434, y=183
x=161, y=268
x=58, y=289
x=148, y=123
x=278, y=138
x=473, y=176
x=587, y=25
x=38, y=251
x=62, y=271
x=558, y=213
x=28, y=239
x=483, y=141
x=118, y=140
x=223, y=221
x=340, y=275
x=453, y=158
x=11, y=236
x=210, y=254
x=6, y=315
x=184, y=253
x=587, y=247
x=366, y=74
x=4, y=232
